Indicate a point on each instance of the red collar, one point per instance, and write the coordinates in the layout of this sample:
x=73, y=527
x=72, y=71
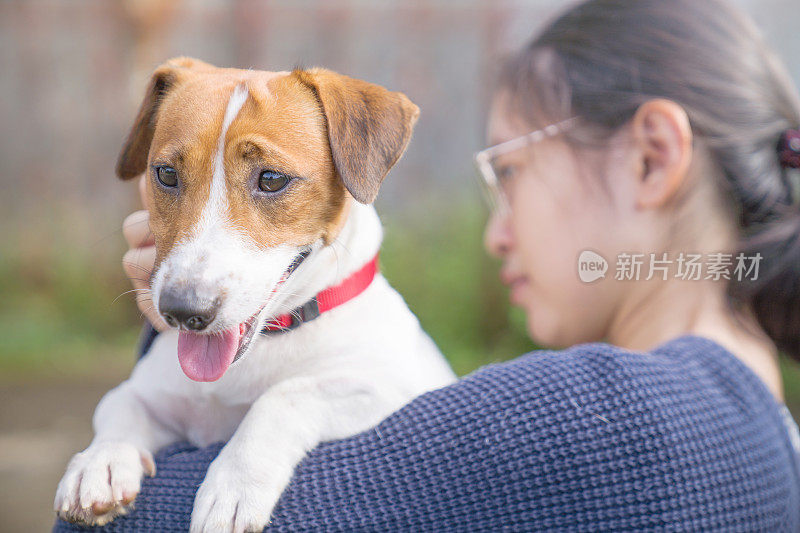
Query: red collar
x=349, y=288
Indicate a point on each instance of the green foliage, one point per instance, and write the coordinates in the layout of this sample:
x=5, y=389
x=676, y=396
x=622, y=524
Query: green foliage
x=58, y=316
x=790, y=370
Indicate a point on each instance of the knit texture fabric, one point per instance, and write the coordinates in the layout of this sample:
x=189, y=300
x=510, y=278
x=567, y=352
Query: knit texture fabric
x=594, y=438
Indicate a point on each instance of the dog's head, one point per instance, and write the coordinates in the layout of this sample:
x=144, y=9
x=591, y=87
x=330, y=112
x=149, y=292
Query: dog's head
x=246, y=172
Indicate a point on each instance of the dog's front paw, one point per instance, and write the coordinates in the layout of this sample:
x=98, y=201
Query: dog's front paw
x=101, y=482
x=234, y=499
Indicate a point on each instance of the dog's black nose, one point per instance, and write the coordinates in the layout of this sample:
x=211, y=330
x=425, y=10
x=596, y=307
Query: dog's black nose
x=184, y=308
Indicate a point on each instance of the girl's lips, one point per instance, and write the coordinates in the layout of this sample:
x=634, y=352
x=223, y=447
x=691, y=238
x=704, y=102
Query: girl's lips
x=511, y=278
x=516, y=282
x=517, y=287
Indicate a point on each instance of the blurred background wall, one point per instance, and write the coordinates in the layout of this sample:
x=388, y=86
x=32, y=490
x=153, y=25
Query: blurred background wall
x=72, y=74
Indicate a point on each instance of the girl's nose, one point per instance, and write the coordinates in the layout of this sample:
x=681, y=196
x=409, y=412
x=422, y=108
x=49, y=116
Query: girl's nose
x=497, y=237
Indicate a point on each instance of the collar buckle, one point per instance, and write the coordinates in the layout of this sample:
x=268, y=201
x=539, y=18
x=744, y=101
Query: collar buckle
x=305, y=313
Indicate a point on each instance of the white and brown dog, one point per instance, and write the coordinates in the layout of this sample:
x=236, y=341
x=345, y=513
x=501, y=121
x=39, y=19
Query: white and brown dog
x=259, y=187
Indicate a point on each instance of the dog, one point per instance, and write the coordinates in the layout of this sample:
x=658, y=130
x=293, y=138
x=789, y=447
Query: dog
x=284, y=334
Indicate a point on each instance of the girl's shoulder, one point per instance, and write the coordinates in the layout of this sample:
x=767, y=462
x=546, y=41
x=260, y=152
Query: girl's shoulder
x=684, y=427
x=687, y=404
x=688, y=369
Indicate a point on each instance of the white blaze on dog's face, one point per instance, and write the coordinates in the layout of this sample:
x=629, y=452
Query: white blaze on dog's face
x=247, y=172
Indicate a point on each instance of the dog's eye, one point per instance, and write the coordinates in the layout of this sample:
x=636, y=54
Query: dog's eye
x=270, y=181
x=167, y=176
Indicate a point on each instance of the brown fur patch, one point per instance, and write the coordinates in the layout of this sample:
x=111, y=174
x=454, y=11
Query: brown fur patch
x=369, y=128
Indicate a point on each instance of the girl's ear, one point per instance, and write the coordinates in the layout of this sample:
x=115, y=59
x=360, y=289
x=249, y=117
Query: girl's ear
x=663, y=135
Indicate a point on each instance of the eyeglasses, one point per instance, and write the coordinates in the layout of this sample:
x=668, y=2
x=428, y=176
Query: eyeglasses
x=494, y=177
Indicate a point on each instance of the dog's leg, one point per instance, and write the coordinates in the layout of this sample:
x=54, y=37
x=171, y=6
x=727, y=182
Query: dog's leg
x=103, y=480
x=245, y=481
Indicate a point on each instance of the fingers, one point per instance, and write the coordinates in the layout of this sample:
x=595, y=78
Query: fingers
x=136, y=229
x=148, y=309
x=138, y=265
x=139, y=260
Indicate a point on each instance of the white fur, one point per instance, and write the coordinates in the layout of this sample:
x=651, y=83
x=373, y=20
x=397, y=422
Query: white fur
x=331, y=378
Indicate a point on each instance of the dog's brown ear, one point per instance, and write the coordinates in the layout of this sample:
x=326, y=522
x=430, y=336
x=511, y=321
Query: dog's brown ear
x=132, y=159
x=368, y=128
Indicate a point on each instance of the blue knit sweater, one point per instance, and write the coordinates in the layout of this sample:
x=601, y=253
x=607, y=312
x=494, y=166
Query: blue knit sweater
x=683, y=438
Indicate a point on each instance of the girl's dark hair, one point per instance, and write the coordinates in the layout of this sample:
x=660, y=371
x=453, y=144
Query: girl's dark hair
x=604, y=58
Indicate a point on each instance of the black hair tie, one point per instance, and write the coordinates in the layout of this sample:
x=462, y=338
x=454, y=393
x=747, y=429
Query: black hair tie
x=789, y=149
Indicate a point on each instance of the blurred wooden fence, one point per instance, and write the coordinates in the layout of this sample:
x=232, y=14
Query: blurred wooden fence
x=72, y=73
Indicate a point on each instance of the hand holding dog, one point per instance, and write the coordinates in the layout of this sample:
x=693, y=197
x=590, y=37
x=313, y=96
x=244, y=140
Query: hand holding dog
x=140, y=258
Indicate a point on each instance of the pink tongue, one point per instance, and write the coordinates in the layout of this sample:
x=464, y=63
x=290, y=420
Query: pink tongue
x=207, y=357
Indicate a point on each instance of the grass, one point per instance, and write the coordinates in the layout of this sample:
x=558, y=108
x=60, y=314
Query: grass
x=58, y=318
x=62, y=316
